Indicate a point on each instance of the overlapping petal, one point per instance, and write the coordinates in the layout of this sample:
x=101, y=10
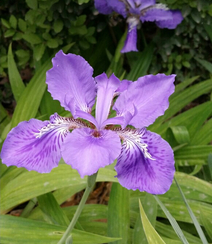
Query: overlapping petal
x=106, y=88
x=131, y=40
x=70, y=81
x=35, y=144
x=87, y=150
x=172, y=23
x=145, y=99
x=146, y=162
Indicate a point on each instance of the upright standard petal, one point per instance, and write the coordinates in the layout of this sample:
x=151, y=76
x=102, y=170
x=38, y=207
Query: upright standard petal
x=172, y=23
x=106, y=89
x=146, y=162
x=35, y=145
x=70, y=81
x=131, y=40
x=102, y=6
x=145, y=99
x=87, y=150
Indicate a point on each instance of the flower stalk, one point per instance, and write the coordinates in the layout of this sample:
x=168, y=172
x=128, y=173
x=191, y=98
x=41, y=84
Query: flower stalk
x=90, y=184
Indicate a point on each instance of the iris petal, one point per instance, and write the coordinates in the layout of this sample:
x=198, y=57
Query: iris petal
x=146, y=162
x=148, y=96
x=87, y=150
x=171, y=23
x=106, y=89
x=36, y=144
x=119, y=6
x=103, y=7
x=131, y=40
x=155, y=12
x=70, y=81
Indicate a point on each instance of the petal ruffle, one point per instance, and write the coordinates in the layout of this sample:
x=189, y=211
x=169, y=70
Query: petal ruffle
x=87, y=150
x=35, y=145
x=131, y=40
x=155, y=12
x=146, y=162
x=102, y=6
x=145, y=99
x=172, y=23
x=106, y=89
x=70, y=81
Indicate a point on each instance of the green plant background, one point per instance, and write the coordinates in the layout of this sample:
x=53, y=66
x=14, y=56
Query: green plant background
x=31, y=32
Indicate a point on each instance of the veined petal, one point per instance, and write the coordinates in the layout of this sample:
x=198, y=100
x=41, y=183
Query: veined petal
x=70, y=81
x=149, y=96
x=172, y=23
x=87, y=150
x=131, y=40
x=106, y=88
x=146, y=162
x=102, y=6
x=35, y=145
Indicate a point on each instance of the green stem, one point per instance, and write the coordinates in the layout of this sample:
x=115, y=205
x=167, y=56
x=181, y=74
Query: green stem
x=90, y=184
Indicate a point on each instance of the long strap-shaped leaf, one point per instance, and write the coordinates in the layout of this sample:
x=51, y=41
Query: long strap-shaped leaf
x=173, y=222
x=193, y=217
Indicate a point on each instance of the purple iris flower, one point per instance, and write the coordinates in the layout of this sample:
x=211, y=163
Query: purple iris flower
x=144, y=160
x=139, y=10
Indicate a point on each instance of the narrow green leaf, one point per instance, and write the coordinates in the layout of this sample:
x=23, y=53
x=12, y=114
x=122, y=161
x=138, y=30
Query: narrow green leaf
x=16, y=82
x=150, y=208
x=194, y=219
x=152, y=236
x=179, y=100
x=181, y=134
x=204, y=134
x=166, y=230
x=141, y=63
x=118, y=213
x=207, y=65
x=37, y=232
x=196, y=170
x=207, y=223
x=210, y=163
x=172, y=221
x=29, y=101
x=184, y=84
x=53, y=213
x=193, y=152
x=32, y=184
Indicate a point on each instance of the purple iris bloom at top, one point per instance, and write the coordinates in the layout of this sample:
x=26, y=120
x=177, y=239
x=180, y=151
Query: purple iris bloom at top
x=139, y=10
x=144, y=160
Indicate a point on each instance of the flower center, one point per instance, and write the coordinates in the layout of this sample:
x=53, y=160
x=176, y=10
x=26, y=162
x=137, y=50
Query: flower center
x=96, y=133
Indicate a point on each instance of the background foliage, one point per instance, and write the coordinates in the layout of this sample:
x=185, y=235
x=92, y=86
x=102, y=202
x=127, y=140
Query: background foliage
x=37, y=30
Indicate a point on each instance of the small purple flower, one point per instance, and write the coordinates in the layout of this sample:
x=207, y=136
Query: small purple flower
x=139, y=10
x=144, y=160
